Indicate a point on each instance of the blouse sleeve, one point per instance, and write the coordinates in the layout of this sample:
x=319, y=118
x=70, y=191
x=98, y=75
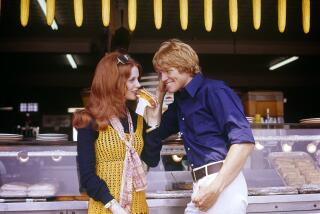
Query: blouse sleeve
x=96, y=188
x=151, y=150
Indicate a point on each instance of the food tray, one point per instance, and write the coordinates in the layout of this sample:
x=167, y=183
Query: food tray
x=169, y=194
x=182, y=186
x=309, y=189
x=272, y=191
x=295, y=168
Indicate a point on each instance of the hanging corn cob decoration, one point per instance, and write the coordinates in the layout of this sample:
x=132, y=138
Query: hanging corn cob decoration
x=233, y=15
x=132, y=14
x=50, y=11
x=105, y=12
x=306, y=15
x=183, y=14
x=78, y=12
x=256, y=7
x=24, y=12
x=208, y=15
x=282, y=13
x=157, y=11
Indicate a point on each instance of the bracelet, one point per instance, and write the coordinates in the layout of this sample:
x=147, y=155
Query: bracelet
x=110, y=203
x=152, y=128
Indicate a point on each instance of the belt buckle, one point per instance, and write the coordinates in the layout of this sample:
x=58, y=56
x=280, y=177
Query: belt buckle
x=199, y=173
x=194, y=176
x=206, y=169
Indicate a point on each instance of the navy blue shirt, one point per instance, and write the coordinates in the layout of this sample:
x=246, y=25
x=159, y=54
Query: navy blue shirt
x=209, y=116
x=95, y=187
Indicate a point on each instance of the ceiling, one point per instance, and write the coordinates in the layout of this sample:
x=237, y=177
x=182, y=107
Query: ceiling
x=36, y=53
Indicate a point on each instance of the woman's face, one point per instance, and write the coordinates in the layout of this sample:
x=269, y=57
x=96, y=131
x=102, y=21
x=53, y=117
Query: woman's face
x=133, y=84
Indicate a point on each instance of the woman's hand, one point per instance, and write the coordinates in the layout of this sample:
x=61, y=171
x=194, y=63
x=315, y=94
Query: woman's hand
x=117, y=209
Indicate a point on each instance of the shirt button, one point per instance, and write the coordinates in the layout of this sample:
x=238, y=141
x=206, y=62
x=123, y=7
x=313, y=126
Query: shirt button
x=192, y=165
x=188, y=149
x=181, y=133
x=182, y=118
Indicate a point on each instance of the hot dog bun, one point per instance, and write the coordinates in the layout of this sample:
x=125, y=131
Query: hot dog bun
x=144, y=94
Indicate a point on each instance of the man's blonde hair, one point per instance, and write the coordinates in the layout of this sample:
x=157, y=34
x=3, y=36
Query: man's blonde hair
x=177, y=54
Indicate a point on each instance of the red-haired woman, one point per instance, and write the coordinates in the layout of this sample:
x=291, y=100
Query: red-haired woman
x=111, y=140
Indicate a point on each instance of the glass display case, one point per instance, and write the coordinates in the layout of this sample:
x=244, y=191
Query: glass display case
x=38, y=170
x=282, y=172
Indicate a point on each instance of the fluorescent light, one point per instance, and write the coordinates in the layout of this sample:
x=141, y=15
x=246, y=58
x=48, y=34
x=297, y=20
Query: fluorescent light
x=71, y=61
x=6, y=108
x=282, y=63
x=74, y=109
x=42, y=4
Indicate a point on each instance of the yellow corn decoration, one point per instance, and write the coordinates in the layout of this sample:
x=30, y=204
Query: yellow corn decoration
x=78, y=12
x=157, y=11
x=24, y=12
x=306, y=15
x=282, y=13
x=208, y=15
x=132, y=14
x=233, y=15
x=106, y=12
x=256, y=7
x=183, y=14
x=50, y=11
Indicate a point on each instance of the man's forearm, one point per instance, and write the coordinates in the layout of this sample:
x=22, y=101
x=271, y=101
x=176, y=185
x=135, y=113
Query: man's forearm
x=233, y=164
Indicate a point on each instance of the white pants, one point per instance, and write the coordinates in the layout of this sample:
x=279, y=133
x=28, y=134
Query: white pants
x=233, y=200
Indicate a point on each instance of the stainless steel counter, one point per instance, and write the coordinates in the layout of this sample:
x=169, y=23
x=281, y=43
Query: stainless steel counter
x=302, y=203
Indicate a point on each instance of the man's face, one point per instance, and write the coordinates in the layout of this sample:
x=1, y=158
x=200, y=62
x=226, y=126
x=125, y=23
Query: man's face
x=174, y=80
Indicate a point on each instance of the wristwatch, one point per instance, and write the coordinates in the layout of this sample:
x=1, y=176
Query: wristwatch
x=110, y=203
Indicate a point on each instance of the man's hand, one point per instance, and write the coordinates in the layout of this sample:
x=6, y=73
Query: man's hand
x=153, y=115
x=206, y=196
x=161, y=87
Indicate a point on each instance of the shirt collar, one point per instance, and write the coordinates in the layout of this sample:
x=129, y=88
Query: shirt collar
x=193, y=86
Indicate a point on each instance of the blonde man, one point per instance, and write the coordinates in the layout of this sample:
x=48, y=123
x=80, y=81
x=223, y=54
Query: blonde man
x=216, y=135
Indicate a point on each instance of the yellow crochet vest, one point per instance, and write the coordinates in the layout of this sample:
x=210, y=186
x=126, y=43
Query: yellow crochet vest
x=110, y=154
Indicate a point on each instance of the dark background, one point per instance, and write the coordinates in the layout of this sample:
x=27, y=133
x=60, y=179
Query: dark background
x=34, y=68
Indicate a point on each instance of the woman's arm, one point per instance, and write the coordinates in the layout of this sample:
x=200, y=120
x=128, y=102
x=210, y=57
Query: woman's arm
x=96, y=188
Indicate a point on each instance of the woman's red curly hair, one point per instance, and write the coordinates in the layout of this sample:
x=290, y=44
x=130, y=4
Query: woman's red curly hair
x=108, y=90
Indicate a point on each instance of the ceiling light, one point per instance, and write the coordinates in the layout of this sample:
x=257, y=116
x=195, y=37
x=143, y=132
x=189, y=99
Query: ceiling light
x=312, y=147
x=286, y=147
x=71, y=61
x=42, y=4
x=177, y=158
x=259, y=146
x=283, y=62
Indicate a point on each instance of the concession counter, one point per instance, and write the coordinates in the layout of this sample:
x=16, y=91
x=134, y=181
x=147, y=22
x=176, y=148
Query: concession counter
x=282, y=174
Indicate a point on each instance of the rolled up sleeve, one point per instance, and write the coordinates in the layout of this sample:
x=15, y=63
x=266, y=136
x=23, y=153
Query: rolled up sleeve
x=227, y=109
